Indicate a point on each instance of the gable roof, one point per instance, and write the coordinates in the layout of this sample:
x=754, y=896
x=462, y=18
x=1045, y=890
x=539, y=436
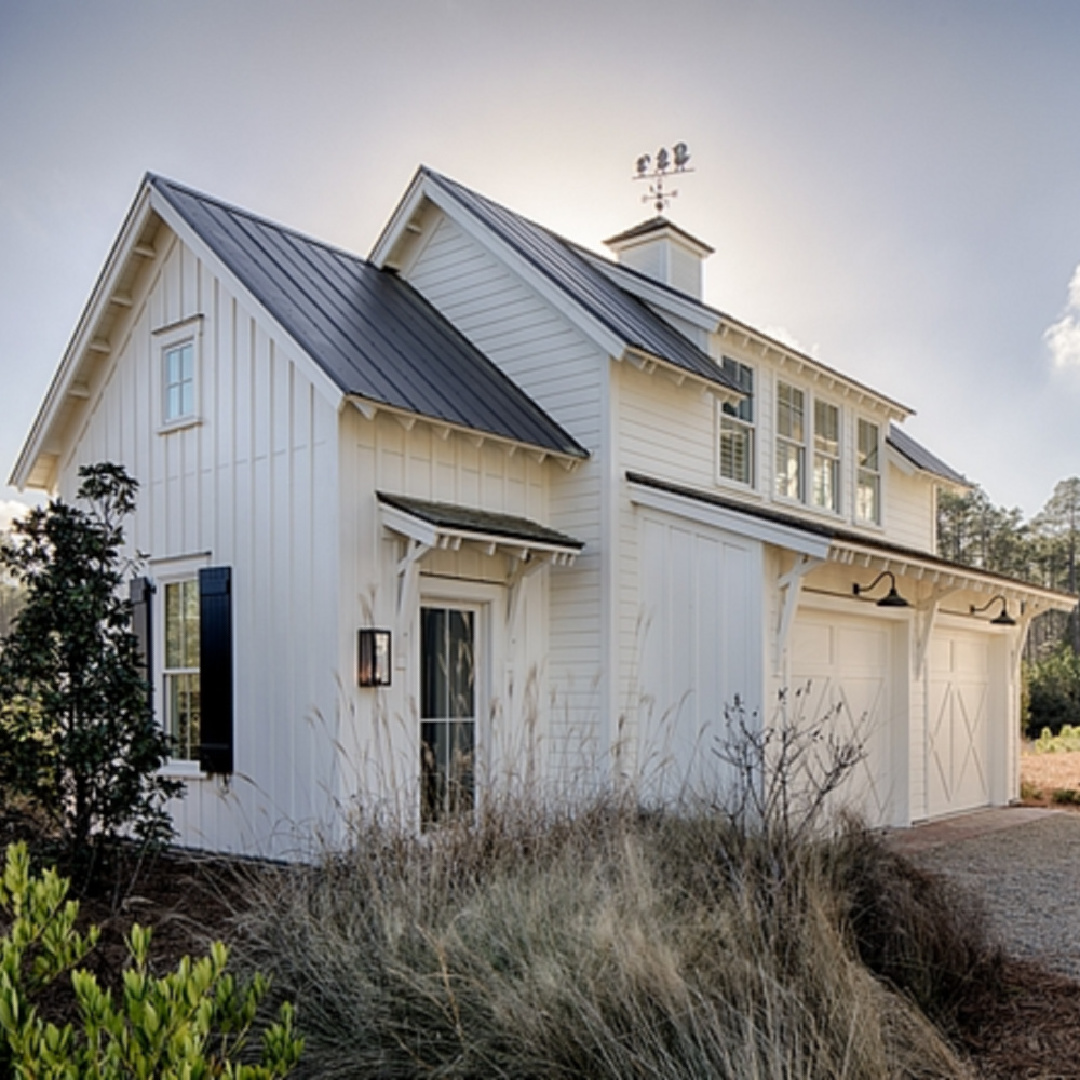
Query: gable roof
x=629, y=319
x=922, y=459
x=374, y=336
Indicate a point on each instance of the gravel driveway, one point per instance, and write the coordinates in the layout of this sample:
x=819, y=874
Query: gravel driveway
x=1026, y=867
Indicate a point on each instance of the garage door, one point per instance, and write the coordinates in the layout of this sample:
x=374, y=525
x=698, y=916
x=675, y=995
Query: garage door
x=958, y=723
x=841, y=669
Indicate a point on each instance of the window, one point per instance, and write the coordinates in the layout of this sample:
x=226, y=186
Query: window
x=180, y=668
x=868, y=479
x=826, y=492
x=790, y=442
x=737, y=426
x=448, y=707
x=178, y=382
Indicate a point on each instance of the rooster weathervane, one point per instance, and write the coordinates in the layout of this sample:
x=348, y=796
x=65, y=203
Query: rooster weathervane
x=667, y=163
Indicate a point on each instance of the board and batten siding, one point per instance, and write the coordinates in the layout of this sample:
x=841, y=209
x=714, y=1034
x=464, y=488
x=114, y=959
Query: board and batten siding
x=251, y=485
x=566, y=375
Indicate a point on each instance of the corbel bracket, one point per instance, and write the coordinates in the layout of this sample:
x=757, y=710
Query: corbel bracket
x=791, y=586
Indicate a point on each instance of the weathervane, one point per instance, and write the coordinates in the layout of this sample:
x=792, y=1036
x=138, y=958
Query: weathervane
x=679, y=156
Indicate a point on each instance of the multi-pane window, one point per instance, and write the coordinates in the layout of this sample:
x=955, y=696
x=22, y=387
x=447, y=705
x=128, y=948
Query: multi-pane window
x=178, y=382
x=790, y=442
x=181, y=668
x=826, y=492
x=737, y=426
x=447, y=713
x=868, y=477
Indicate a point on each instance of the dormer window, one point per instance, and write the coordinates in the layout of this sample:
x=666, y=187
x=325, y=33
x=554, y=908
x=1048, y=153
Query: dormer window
x=826, y=493
x=868, y=478
x=790, y=442
x=737, y=426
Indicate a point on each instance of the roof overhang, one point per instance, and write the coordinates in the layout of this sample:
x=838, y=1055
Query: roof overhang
x=449, y=527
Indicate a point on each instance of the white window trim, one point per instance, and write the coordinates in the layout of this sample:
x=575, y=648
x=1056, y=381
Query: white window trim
x=168, y=338
x=164, y=572
x=838, y=510
x=802, y=499
x=750, y=426
x=879, y=472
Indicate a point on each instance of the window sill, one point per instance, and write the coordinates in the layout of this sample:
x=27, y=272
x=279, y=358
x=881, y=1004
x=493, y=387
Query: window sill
x=177, y=769
x=182, y=424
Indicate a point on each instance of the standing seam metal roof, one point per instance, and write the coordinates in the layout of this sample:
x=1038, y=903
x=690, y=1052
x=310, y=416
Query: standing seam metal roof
x=627, y=317
x=373, y=335
x=921, y=458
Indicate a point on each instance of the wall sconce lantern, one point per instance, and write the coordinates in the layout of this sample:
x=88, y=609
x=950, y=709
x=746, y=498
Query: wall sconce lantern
x=1003, y=617
x=890, y=599
x=372, y=657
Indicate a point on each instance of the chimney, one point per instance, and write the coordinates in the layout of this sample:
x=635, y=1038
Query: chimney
x=664, y=252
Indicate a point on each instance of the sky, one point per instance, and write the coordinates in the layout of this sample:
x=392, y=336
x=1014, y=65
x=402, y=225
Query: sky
x=890, y=185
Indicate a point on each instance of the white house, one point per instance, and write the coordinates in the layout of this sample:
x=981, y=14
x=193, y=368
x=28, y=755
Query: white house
x=590, y=510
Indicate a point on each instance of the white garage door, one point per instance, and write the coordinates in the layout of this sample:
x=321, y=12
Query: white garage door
x=958, y=723
x=842, y=669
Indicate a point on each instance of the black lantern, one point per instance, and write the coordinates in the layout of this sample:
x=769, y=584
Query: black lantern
x=891, y=599
x=1003, y=618
x=372, y=657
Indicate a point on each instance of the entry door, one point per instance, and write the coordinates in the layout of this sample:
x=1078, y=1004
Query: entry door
x=448, y=712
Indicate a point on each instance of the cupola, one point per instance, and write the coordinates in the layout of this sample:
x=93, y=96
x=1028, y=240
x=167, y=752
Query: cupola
x=662, y=251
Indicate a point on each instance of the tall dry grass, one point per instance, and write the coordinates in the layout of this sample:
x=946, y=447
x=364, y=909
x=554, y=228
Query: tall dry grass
x=607, y=943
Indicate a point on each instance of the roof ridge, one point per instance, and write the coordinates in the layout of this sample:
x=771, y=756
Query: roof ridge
x=162, y=183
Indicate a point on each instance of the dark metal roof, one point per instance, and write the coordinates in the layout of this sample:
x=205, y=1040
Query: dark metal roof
x=483, y=522
x=830, y=532
x=633, y=322
x=372, y=334
x=921, y=458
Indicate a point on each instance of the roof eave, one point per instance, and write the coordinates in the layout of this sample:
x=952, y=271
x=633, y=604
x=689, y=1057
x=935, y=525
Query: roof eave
x=80, y=340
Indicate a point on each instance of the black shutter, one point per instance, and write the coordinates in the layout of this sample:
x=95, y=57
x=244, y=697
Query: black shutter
x=142, y=589
x=215, y=669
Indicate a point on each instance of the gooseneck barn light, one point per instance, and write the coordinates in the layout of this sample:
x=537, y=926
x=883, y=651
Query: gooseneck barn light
x=1003, y=618
x=891, y=599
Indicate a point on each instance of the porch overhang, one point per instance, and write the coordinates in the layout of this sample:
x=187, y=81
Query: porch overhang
x=448, y=527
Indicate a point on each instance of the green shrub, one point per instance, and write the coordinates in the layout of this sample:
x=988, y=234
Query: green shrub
x=192, y=1023
x=1067, y=740
x=1053, y=692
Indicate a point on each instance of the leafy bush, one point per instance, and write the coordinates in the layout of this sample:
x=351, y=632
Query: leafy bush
x=1053, y=692
x=1066, y=741
x=193, y=1023
x=76, y=733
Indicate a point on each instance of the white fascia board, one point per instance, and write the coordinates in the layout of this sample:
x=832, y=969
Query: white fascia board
x=604, y=338
x=81, y=337
x=910, y=565
x=704, y=513
x=655, y=295
x=175, y=221
x=402, y=214
x=898, y=461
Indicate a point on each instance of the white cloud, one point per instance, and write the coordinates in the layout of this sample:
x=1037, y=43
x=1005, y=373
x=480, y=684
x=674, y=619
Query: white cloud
x=10, y=509
x=1063, y=337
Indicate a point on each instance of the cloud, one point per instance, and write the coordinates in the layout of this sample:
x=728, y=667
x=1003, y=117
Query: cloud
x=1063, y=337
x=10, y=509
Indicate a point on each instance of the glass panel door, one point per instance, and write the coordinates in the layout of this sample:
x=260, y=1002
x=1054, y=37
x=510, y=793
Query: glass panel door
x=447, y=713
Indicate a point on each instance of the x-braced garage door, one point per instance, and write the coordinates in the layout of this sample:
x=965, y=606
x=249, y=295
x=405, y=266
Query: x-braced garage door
x=960, y=718
x=842, y=672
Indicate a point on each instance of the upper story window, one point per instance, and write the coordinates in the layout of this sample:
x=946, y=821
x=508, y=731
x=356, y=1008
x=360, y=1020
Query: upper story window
x=178, y=346
x=178, y=382
x=737, y=426
x=826, y=487
x=868, y=474
x=790, y=465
